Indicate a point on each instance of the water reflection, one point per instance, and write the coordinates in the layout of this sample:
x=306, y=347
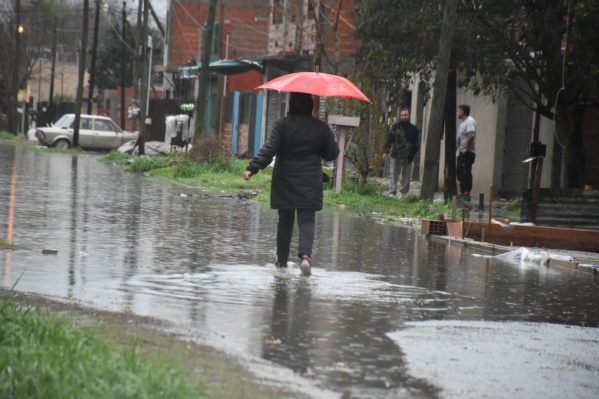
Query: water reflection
x=288, y=339
x=130, y=243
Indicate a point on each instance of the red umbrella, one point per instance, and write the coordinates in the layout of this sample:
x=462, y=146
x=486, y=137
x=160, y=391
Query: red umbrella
x=316, y=83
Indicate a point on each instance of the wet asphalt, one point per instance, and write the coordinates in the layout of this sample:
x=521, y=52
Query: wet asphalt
x=388, y=313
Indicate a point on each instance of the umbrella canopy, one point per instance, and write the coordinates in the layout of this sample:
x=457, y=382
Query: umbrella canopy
x=316, y=83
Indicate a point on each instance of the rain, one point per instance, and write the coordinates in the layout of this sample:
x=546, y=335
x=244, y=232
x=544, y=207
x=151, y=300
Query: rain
x=387, y=313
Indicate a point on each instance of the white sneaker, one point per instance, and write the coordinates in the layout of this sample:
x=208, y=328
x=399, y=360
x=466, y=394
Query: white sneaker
x=305, y=267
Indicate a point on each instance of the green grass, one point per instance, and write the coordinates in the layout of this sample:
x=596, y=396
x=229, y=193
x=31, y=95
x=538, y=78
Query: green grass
x=7, y=136
x=514, y=210
x=369, y=200
x=226, y=174
x=42, y=356
x=116, y=157
x=8, y=245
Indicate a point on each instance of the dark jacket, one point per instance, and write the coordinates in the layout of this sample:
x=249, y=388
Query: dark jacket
x=300, y=143
x=403, y=141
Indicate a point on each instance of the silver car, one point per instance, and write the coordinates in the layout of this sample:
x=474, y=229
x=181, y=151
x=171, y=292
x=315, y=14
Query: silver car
x=94, y=132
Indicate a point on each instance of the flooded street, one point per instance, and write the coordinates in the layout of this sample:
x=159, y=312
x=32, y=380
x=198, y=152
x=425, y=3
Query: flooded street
x=388, y=313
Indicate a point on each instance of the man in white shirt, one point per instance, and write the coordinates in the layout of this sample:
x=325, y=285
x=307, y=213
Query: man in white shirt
x=466, y=141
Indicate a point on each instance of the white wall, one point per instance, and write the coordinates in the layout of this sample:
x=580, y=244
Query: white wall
x=490, y=121
x=546, y=136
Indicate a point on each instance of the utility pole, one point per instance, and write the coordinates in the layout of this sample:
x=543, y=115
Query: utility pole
x=92, y=69
x=137, y=63
x=81, y=73
x=220, y=96
x=15, y=76
x=435, y=128
x=207, y=37
x=450, y=188
x=123, y=68
x=51, y=99
x=143, y=128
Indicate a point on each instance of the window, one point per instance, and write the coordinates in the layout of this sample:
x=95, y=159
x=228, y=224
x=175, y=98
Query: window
x=311, y=9
x=277, y=12
x=102, y=126
x=83, y=124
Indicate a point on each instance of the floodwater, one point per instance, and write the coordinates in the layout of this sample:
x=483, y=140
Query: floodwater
x=376, y=320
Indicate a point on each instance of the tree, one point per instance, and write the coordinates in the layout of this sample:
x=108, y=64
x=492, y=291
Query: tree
x=108, y=59
x=550, y=46
x=433, y=138
x=499, y=46
x=398, y=40
x=36, y=20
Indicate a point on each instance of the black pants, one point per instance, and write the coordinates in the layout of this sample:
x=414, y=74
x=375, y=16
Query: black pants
x=305, y=224
x=464, y=171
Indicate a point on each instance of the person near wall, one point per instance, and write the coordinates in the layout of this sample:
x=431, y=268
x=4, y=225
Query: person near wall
x=300, y=143
x=401, y=147
x=466, y=140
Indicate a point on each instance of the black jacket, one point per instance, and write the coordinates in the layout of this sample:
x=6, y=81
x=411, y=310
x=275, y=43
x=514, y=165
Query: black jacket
x=403, y=141
x=300, y=143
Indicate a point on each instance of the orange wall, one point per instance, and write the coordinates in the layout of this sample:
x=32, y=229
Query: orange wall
x=245, y=82
x=246, y=25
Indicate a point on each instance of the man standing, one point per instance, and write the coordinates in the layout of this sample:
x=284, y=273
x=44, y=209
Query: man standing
x=465, y=151
x=402, y=145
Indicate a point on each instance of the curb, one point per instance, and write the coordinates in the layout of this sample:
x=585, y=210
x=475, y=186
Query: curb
x=588, y=264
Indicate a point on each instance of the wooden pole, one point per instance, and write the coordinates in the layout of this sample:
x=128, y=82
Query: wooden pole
x=536, y=188
x=490, y=210
x=201, y=127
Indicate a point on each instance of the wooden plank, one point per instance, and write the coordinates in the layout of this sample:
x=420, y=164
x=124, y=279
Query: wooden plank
x=340, y=120
x=535, y=236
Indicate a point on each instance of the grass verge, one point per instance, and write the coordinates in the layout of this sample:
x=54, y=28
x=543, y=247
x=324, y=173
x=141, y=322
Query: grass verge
x=226, y=174
x=51, y=349
x=42, y=356
x=9, y=245
x=7, y=136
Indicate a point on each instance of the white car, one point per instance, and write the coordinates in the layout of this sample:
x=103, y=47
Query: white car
x=94, y=132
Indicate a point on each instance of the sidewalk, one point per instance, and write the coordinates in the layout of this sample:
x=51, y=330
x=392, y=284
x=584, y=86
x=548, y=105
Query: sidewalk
x=580, y=261
x=585, y=262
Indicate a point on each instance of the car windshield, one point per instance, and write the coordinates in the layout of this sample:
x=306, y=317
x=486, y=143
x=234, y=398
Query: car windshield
x=116, y=127
x=61, y=121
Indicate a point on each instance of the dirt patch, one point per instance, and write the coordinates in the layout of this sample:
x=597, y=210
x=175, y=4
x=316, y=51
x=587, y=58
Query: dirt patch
x=222, y=375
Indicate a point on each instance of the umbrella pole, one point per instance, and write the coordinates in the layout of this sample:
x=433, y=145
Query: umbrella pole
x=316, y=99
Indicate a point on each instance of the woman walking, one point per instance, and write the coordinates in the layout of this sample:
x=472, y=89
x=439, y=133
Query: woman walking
x=300, y=143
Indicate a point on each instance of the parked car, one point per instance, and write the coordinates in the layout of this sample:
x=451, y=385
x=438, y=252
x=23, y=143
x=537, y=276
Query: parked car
x=94, y=132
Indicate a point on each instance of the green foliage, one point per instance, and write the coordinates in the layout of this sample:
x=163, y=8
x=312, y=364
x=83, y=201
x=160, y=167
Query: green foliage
x=364, y=199
x=43, y=357
x=115, y=157
x=368, y=200
x=145, y=164
x=514, y=210
x=7, y=136
x=398, y=39
x=499, y=47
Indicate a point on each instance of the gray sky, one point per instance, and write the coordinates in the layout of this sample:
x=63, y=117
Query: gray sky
x=160, y=8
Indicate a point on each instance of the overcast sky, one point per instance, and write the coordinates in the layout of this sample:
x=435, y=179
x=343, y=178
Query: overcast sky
x=160, y=8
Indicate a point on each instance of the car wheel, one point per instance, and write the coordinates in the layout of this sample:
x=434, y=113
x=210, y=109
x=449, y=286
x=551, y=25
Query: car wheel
x=62, y=145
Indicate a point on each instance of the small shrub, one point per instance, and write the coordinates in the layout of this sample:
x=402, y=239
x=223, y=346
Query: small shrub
x=207, y=149
x=189, y=170
x=143, y=164
x=7, y=136
x=115, y=157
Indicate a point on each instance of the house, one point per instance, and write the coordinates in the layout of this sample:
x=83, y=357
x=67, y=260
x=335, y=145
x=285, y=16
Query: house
x=240, y=39
x=286, y=36
x=282, y=36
